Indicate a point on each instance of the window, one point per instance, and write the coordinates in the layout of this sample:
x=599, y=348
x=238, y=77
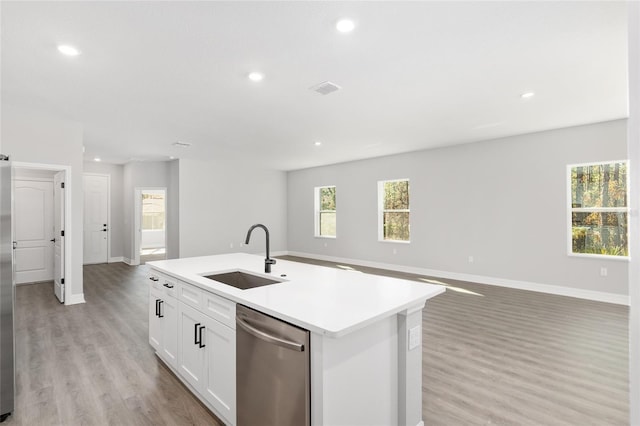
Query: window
x=599, y=209
x=153, y=210
x=325, y=208
x=393, y=210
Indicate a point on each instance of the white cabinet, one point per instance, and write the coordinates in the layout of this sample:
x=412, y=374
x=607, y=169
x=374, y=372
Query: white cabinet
x=220, y=378
x=163, y=320
x=207, y=356
x=191, y=351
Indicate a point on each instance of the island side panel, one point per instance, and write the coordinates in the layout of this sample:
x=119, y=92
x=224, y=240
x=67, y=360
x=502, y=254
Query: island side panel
x=410, y=367
x=359, y=378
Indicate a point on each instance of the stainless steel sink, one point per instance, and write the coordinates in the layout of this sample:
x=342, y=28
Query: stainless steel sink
x=241, y=280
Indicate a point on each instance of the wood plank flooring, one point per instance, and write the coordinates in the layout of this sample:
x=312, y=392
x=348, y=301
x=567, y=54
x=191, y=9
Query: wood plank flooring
x=91, y=364
x=491, y=356
x=499, y=356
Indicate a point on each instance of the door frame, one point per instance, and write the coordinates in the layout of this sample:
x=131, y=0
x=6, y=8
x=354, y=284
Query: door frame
x=108, y=210
x=137, y=220
x=68, y=268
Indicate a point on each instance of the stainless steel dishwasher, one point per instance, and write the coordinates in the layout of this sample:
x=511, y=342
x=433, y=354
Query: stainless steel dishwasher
x=272, y=371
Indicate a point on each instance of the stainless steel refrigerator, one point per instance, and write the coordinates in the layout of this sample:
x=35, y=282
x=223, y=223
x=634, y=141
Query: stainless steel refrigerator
x=7, y=297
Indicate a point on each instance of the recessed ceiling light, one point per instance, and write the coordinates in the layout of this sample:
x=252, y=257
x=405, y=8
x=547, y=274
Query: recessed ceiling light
x=171, y=157
x=65, y=49
x=345, y=25
x=256, y=76
x=317, y=143
x=97, y=159
x=527, y=95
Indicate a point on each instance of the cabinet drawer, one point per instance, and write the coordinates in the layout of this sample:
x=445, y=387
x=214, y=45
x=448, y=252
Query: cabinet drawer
x=220, y=309
x=214, y=306
x=168, y=285
x=191, y=295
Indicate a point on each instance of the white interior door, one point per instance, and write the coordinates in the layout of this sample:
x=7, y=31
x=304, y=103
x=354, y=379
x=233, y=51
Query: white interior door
x=33, y=207
x=58, y=232
x=96, y=218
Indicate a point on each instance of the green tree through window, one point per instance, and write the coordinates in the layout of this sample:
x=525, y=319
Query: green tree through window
x=599, y=209
x=395, y=211
x=325, y=211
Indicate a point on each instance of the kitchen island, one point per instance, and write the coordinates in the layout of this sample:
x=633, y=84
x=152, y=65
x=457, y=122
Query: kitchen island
x=365, y=334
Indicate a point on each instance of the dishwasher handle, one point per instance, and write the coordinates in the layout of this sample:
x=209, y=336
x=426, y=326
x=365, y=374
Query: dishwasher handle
x=269, y=338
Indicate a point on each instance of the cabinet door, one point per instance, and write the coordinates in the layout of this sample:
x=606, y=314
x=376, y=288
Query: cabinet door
x=191, y=356
x=169, y=324
x=220, y=379
x=155, y=329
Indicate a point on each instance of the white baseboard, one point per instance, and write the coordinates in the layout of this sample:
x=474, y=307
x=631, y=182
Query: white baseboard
x=279, y=253
x=130, y=262
x=116, y=259
x=74, y=299
x=599, y=296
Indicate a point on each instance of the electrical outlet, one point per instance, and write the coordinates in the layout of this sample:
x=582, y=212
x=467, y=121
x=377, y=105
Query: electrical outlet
x=603, y=272
x=230, y=245
x=395, y=251
x=414, y=337
x=470, y=259
x=325, y=244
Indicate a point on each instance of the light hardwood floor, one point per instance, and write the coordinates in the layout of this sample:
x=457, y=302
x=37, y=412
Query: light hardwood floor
x=91, y=364
x=491, y=356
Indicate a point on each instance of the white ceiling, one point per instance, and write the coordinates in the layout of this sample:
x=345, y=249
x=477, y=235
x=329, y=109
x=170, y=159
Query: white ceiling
x=415, y=75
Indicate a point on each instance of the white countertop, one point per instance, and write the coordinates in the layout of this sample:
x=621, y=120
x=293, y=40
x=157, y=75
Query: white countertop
x=323, y=300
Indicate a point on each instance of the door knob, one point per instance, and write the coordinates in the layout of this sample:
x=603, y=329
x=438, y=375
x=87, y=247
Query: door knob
x=53, y=240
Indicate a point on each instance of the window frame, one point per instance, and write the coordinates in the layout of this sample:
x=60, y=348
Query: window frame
x=317, y=212
x=382, y=211
x=571, y=210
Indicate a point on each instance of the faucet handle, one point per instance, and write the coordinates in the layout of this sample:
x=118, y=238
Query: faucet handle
x=270, y=261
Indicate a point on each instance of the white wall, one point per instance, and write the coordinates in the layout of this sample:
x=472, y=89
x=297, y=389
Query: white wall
x=35, y=137
x=115, y=171
x=220, y=200
x=501, y=201
x=173, y=210
x=157, y=174
x=634, y=225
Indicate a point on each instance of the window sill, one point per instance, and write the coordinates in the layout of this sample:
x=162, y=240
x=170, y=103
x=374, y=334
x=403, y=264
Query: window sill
x=331, y=237
x=600, y=257
x=395, y=241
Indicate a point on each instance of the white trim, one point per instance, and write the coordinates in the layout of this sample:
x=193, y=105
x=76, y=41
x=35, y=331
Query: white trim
x=128, y=261
x=599, y=296
x=279, y=253
x=108, y=208
x=68, y=222
x=116, y=259
x=74, y=299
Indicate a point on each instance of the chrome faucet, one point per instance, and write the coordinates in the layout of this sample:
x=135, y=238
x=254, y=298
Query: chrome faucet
x=267, y=262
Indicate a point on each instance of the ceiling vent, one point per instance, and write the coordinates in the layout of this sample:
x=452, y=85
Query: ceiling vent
x=180, y=144
x=325, y=88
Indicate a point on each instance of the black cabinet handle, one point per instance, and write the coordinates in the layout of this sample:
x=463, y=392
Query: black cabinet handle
x=154, y=278
x=167, y=285
x=195, y=334
x=160, y=309
x=157, y=307
x=200, y=344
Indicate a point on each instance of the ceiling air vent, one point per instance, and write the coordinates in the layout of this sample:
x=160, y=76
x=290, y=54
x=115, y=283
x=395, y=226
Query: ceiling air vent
x=325, y=88
x=180, y=144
